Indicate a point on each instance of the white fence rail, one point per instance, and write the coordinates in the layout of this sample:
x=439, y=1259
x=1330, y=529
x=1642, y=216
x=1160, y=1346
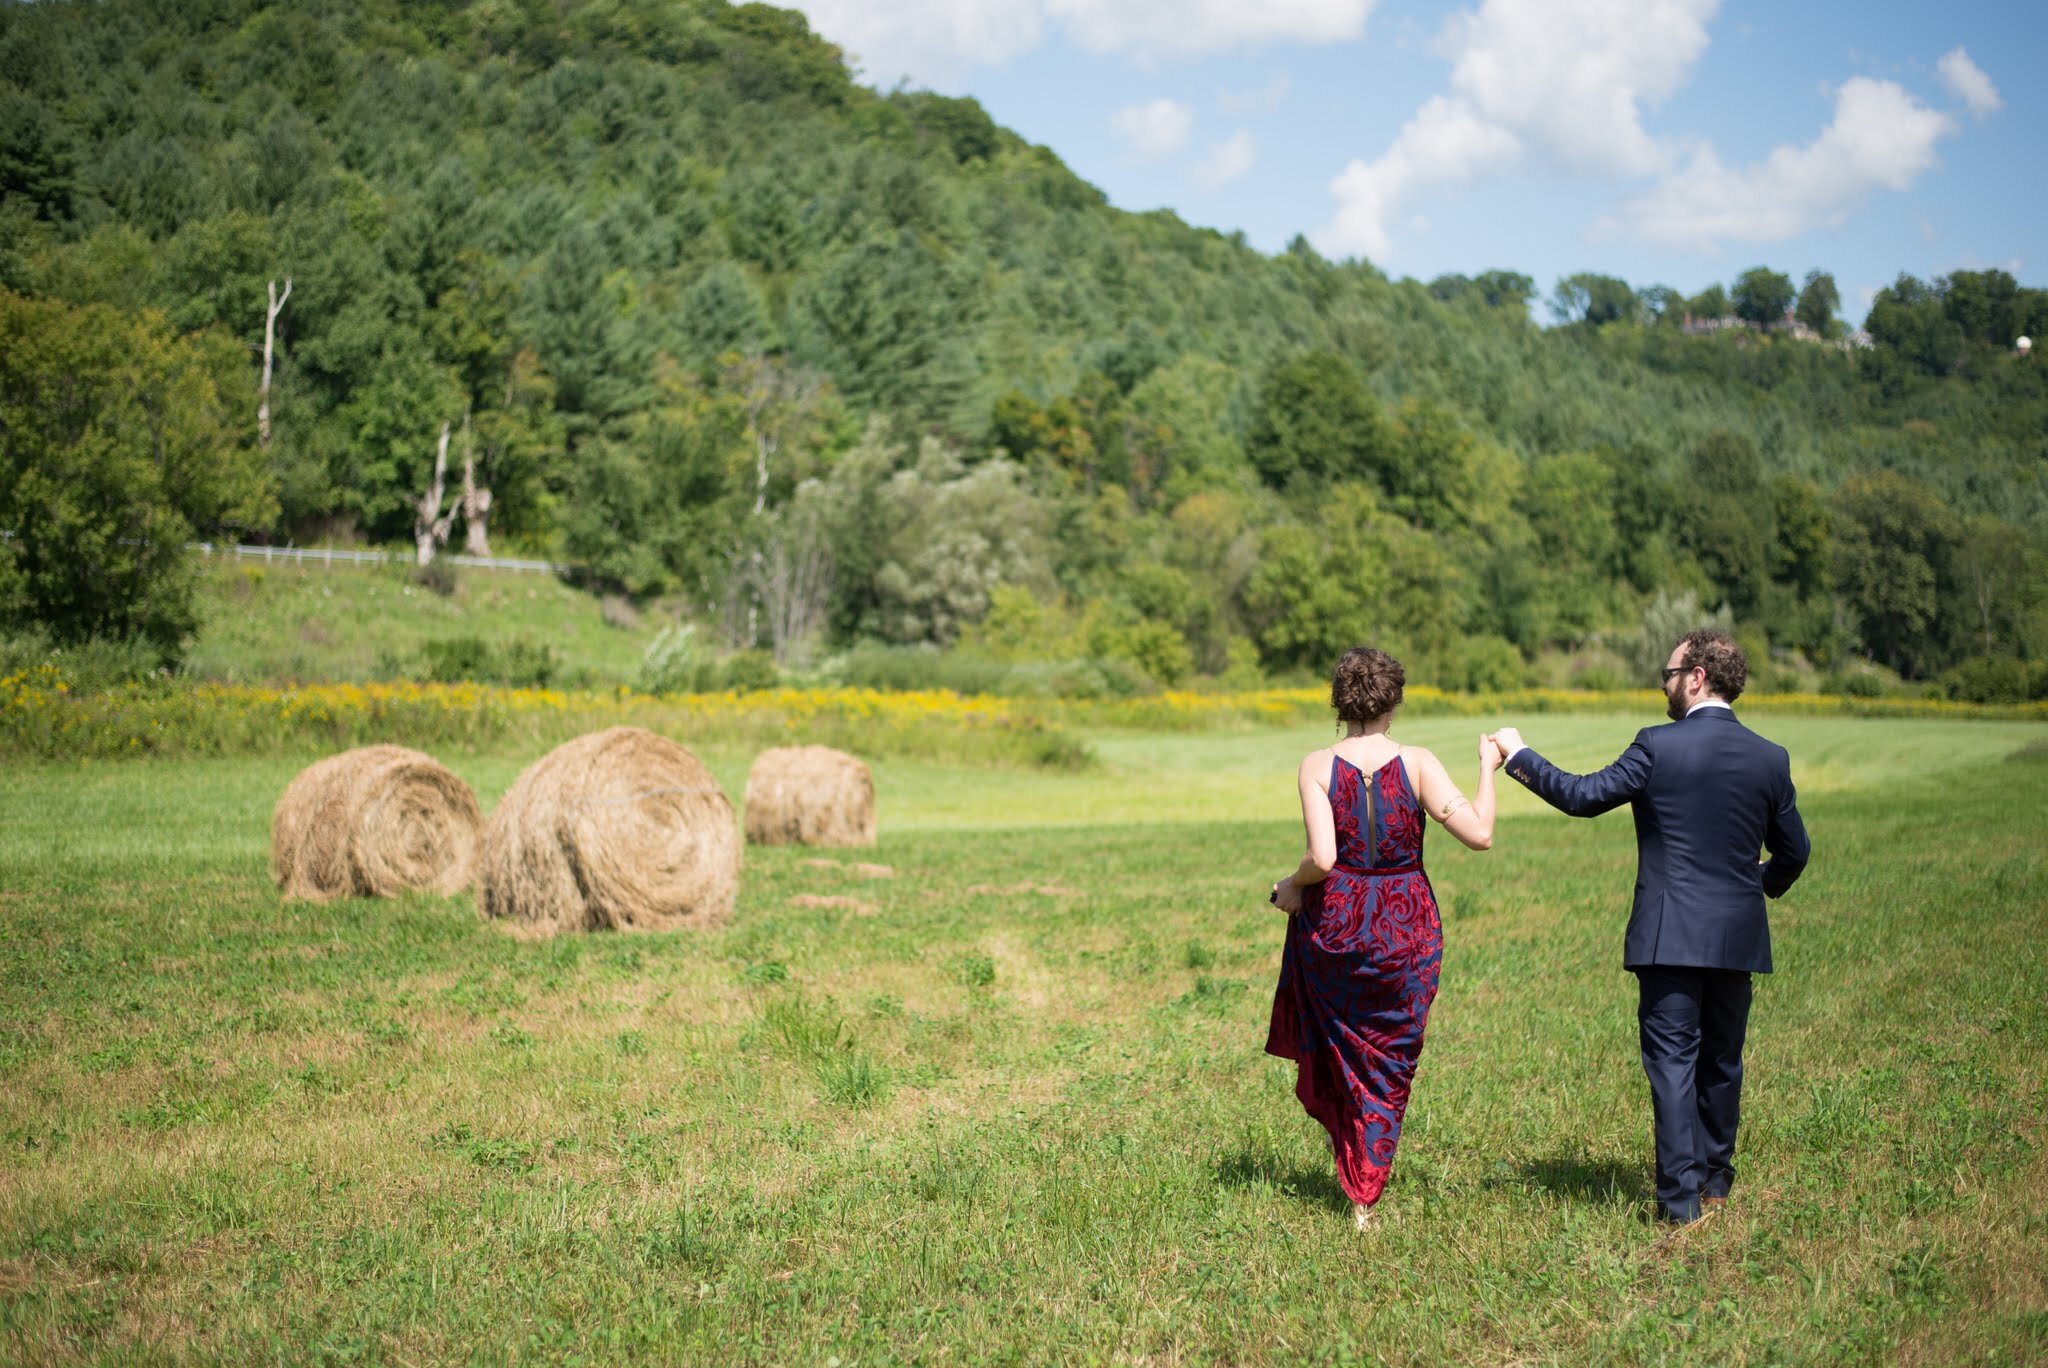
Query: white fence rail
x=331, y=557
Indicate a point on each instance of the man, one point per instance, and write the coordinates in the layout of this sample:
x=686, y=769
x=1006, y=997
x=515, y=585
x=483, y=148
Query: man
x=1707, y=794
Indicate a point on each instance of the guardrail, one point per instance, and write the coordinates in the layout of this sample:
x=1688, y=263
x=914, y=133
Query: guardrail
x=326, y=556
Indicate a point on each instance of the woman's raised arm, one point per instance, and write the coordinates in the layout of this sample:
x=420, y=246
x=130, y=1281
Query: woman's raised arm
x=1470, y=820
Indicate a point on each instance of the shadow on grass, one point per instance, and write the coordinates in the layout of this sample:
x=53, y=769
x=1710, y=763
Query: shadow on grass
x=1245, y=1168
x=1578, y=1178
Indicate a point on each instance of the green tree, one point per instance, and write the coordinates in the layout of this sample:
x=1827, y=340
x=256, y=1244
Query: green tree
x=1893, y=539
x=1509, y=290
x=36, y=162
x=1762, y=296
x=723, y=312
x=1908, y=318
x=1710, y=303
x=1799, y=549
x=1818, y=300
x=1660, y=305
x=118, y=441
x=1596, y=300
x=1316, y=421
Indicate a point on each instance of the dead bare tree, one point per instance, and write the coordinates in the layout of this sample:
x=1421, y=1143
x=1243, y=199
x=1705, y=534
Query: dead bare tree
x=476, y=498
x=779, y=400
x=431, y=526
x=789, y=576
x=269, y=350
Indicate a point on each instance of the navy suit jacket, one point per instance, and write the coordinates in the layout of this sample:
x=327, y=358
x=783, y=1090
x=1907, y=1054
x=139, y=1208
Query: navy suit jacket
x=1708, y=794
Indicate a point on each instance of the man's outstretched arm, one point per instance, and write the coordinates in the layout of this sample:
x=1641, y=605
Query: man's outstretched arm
x=1578, y=795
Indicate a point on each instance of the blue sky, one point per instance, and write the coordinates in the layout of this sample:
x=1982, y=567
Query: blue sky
x=1673, y=142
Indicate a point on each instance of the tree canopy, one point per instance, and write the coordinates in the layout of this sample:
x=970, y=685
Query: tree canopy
x=661, y=268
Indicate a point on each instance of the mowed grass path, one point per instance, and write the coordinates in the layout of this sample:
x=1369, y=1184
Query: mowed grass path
x=1008, y=1103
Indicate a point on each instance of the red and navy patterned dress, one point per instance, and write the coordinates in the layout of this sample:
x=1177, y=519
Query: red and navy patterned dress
x=1358, y=976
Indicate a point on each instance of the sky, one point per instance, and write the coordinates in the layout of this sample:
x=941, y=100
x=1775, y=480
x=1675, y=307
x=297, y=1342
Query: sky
x=1672, y=142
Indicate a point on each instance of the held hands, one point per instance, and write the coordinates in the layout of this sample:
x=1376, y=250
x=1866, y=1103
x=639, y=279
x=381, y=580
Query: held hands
x=1509, y=740
x=1287, y=896
x=1490, y=754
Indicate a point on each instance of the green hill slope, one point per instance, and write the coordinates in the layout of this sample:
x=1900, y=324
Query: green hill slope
x=709, y=318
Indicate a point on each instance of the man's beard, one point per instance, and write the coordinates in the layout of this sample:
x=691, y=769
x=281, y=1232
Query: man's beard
x=1674, y=707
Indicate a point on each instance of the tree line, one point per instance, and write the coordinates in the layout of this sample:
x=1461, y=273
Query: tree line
x=658, y=289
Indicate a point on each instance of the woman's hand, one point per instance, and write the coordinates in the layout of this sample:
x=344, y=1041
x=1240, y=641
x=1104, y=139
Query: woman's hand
x=1490, y=753
x=1287, y=896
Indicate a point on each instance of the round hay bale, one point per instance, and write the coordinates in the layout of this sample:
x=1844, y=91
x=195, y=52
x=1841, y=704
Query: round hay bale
x=621, y=830
x=373, y=823
x=810, y=795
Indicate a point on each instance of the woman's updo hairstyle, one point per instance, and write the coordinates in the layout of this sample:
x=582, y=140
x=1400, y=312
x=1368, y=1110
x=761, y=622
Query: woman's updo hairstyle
x=1366, y=685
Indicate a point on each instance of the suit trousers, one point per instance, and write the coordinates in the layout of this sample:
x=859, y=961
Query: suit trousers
x=1691, y=1024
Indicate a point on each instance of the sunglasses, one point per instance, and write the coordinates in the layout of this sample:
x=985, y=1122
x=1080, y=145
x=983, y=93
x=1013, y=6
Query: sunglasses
x=1671, y=670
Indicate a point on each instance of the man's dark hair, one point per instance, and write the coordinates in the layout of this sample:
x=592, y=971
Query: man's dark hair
x=1366, y=685
x=1716, y=653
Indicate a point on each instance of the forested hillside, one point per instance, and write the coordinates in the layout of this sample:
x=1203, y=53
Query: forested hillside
x=700, y=314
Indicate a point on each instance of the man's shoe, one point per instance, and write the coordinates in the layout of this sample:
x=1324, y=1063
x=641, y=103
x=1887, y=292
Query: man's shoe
x=1708, y=1204
x=1677, y=1232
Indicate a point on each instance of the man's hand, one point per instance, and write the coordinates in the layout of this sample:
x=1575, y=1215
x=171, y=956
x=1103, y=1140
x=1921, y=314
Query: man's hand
x=1509, y=740
x=1490, y=753
x=1287, y=896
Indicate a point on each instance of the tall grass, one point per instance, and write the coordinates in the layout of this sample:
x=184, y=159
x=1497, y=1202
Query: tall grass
x=1008, y=1104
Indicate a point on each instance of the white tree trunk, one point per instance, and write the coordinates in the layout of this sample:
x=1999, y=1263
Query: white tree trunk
x=476, y=499
x=269, y=349
x=792, y=581
x=430, y=528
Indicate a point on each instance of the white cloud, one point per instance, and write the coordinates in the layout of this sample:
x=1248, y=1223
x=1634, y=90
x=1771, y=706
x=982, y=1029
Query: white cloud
x=1181, y=28
x=929, y=42
x=1881, y=138
x=1571, y=76
x=1227, y=160
x=1561, y=83
x=1155, y=127
x=1967, y=82
x=1445, y=141
x=936, y=42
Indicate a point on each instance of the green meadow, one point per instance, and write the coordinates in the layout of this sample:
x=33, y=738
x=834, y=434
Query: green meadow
x=994, y=1090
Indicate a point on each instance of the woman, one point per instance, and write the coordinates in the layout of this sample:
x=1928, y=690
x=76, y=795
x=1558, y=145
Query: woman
x=1363, y=938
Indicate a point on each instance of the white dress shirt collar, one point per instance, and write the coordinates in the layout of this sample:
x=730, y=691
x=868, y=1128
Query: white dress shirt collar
x=1709, y=703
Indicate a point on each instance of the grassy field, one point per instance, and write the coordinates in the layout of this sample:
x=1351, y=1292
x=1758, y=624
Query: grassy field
x=1008, y=1102
x=264, y=623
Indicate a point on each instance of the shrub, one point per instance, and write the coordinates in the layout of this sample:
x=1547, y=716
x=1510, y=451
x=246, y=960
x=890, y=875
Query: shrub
x=1489, y=664
x=1855, y=684
x=1988, y=679
x=456, y=660
x=437, y=576
x=873, y=665
x=526, y=665
x=472, y=660
x=1153, y=648
x=747, y=671
x=1664, y=621
x=95, y=665
x=670, y=664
